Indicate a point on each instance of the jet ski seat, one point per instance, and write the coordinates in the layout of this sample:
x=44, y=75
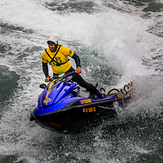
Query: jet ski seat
x=85, y=93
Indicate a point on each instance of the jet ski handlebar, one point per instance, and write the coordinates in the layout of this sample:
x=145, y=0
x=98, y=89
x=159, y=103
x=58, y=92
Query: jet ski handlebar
x=62, y=76
x=73, y=73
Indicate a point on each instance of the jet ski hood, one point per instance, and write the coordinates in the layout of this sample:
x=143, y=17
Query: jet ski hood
x=53, y=93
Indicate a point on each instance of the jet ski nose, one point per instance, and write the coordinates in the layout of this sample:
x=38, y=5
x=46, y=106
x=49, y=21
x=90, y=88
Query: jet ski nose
x=32, y=117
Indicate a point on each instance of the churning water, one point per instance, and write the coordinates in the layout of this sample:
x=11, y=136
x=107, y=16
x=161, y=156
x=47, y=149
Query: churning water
x=118, y=42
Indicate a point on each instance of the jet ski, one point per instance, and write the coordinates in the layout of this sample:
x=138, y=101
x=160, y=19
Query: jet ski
x=66, y=107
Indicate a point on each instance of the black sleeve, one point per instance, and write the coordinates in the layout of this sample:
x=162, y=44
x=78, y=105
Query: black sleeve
x=77, y=60
x=45, y=69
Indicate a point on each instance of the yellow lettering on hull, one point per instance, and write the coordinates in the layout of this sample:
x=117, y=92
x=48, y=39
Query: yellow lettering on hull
x=49, y=89
x=86, y=101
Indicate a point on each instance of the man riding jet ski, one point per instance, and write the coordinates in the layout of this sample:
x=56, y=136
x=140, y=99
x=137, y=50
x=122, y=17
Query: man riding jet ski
x=57, y=55
x=68, y=104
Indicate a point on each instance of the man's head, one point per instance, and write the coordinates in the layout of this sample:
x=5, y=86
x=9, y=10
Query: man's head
x=53, y=40
x=52, y=43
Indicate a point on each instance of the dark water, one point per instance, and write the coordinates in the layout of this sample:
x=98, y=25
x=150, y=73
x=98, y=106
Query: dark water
x=118, y=42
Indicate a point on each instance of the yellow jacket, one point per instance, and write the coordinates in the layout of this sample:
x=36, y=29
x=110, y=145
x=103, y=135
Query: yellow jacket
x=59, y=59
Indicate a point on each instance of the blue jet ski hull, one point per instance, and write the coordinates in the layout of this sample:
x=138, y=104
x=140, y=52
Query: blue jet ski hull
x=61, y=107
x=74, y=120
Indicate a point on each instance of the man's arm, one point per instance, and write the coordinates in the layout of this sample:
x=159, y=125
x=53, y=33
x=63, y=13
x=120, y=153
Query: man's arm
x=46, y=71
x=77, y=61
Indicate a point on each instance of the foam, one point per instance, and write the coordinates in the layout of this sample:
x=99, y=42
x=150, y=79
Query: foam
x=120, y=37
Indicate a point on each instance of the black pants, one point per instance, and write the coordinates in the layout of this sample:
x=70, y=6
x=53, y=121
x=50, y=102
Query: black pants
x=77, y=78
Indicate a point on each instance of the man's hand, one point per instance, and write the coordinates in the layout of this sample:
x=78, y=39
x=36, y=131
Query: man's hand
x=78, y=70
x=47, y=79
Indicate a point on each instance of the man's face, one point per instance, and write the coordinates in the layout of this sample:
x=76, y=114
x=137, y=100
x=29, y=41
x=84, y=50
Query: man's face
x=52, y=47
